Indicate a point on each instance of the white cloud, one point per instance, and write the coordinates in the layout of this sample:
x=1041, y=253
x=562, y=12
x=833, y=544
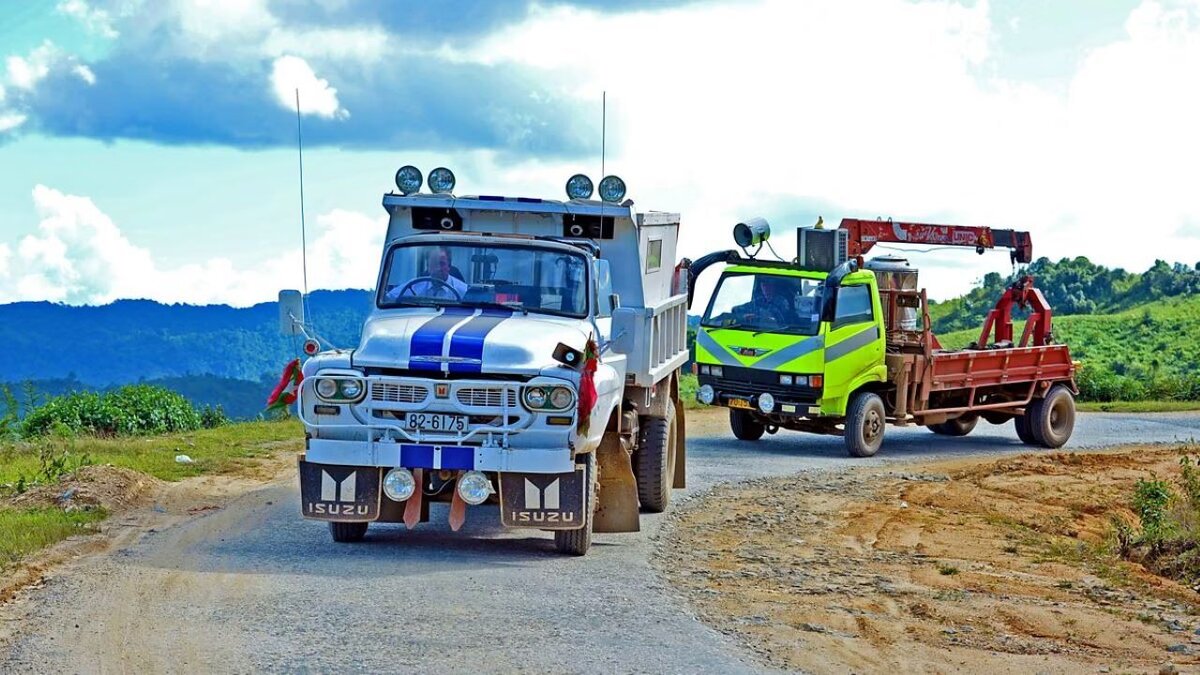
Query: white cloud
x=10, y=120
x=290, y=73
x=84, y=73
x=26, y=72
x=79, y=256
x=95, y=19
x=364, y=45
x=882, y=108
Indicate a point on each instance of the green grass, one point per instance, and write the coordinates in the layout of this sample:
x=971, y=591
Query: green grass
x=224, y=449
x=1138, y=406
x=23, y=531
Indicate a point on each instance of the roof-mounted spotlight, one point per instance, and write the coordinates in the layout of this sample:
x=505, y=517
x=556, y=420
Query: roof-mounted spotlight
x=441, y=181
x=409, y=179
x=612, y=189
x=579, y=186
x=753, y=232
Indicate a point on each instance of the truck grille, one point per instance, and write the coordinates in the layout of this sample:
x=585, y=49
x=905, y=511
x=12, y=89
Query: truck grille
x=398, y=393
x=486, y=397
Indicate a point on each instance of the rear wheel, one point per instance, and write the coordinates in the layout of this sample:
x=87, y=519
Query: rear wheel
x=1021, y=422
x=577, y=542
x=959, y=426
x=348, y=533
x=744, y=426
x=654, y=461
x=1052, y=419
x=865, y=419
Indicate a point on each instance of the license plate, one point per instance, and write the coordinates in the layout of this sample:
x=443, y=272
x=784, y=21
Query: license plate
x=340, y=493
x=740, y=403
x=435, y=422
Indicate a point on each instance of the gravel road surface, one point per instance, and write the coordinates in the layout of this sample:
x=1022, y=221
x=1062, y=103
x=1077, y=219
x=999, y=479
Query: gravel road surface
x=253, y=587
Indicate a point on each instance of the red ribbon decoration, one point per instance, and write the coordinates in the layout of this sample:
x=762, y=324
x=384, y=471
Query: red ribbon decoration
x=587, y=385
x=284, y=393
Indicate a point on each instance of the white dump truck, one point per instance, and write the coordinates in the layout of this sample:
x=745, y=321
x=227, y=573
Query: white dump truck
x=520, y=352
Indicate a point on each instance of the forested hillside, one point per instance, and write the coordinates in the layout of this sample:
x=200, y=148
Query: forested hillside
x=132, y=340
x=1073, y=286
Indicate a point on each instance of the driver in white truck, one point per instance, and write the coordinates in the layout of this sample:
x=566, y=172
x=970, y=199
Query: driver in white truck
x=438, y=281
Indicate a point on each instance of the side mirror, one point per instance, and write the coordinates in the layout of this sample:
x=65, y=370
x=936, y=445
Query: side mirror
x=291, y=313
x=614, y=301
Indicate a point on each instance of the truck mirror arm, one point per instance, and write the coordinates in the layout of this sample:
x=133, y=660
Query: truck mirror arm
x=832, y=283
x=704, y=262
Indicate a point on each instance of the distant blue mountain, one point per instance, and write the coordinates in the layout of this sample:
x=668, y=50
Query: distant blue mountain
x=136, y=340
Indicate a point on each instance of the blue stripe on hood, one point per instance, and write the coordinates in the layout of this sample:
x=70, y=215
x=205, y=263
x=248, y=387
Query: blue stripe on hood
x=429, y=338
x=467, y=341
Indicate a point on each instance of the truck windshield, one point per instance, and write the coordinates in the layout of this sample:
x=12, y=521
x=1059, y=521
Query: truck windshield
x=765, y=302
x=527, y=278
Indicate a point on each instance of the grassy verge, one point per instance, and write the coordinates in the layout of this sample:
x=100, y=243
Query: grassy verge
x=1138, y=406
x=23, y=531
x=224, y=449
x=221, y=450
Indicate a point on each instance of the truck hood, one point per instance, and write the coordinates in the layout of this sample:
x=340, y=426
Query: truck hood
x=465, y=340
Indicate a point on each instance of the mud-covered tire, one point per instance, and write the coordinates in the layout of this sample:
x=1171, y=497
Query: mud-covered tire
x=577, y=542
x=959, y=426
x=1052, y=419
x=654, y=461
x=744, y=426
x=865, y=420
x=348, y=533
x=1021, y=423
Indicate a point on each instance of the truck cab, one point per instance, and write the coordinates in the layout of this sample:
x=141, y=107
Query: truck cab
x=513, y=343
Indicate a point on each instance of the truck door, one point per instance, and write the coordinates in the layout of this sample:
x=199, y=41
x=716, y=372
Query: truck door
x=853, y=341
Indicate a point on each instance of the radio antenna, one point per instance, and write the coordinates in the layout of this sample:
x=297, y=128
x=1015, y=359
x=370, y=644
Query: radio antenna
x=303, y=233
x=603, y=128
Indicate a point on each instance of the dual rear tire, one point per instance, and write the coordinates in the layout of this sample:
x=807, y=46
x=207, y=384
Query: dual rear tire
x=1048, y=422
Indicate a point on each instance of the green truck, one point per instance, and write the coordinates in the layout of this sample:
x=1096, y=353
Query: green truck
x=827, y=343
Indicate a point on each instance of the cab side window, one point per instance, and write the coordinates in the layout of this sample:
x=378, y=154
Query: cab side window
x=853, y=305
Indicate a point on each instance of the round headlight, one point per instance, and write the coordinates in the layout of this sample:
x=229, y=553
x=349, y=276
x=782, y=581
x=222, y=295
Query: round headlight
x=441, y=180
x=561, y=397
x=706, y=394
x=399, y=484
x=327, y=388
x=535, y=397
x=408, y=179
x=766, y=403
x=579, y=186
x=612, y=189
x=351, y=388
x=474, y=487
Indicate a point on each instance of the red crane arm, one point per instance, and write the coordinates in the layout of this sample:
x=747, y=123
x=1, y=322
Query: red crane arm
x=864, y=234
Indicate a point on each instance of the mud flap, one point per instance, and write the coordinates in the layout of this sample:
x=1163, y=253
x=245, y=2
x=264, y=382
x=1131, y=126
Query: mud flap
x=547, y=501
x=618, y=507
x=679, y=480
x=348, y=494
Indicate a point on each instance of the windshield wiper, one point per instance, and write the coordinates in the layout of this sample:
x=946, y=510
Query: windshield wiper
x=417, y=302
x=782, y=329
x=730, y=326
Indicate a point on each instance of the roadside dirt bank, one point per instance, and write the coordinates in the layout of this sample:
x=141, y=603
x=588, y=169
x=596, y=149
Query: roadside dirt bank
x=956, y=566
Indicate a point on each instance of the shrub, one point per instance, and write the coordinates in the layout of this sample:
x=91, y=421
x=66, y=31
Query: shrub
x=212, y=417
x=134, y=409
x=1151, y=498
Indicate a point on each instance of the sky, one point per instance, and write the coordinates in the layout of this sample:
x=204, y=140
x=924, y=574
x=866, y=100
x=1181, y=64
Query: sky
x=147, y=147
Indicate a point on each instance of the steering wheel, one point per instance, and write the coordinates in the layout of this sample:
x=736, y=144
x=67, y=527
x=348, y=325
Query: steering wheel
x=415, y=280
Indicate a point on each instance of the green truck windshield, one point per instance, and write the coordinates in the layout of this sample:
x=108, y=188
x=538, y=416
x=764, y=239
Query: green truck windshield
x=766, y=302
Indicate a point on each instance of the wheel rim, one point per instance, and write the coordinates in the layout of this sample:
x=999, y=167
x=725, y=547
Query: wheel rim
x=872, y=426
x=1059, y=417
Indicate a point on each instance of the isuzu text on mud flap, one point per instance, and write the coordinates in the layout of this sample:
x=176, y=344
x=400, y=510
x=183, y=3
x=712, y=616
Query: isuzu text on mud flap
x=515, y=344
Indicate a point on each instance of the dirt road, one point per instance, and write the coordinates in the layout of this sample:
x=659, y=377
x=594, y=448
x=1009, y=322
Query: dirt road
x=253, y=587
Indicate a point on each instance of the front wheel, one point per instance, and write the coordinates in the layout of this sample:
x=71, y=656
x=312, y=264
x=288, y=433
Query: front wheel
x=865, y=419
x=744, y=426
x=347, y=533
x=577, y=542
